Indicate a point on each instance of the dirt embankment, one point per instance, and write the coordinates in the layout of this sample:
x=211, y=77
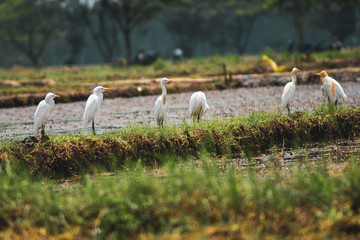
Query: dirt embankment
x=151, y=87
x=66, y=159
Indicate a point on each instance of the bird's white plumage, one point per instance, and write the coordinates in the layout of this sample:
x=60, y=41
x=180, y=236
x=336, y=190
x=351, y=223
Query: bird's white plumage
x=331, y=86
x=160, y=109
x=289, y=90
x=93, y=105
x=288, y=94
x=42, y=112
x=160, y=106
x=197, y=105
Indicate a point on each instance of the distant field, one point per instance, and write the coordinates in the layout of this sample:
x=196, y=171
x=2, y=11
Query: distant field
x=83, y=78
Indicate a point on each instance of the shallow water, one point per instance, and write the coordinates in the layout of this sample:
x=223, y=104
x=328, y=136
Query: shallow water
x=121, y=112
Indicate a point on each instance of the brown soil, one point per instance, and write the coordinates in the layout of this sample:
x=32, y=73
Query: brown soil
x=85, y=153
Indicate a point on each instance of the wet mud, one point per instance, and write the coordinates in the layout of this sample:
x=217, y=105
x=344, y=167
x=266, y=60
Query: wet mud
x=121, y=112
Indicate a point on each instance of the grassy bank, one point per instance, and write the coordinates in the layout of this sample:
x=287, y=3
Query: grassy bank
x=69, y=155
x=187, y=202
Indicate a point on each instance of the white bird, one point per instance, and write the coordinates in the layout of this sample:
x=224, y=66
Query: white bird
x=42, y=113
x=161, y=103
x=289, y=90
x=330, y=88
x=198, y=105
x=93, y=105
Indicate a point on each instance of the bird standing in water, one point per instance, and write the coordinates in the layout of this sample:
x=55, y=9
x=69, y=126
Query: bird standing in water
x=331, y=88
x=161, y=103
x=93, y=105
x=198, y=105
x=42, y=113
x=289, y=90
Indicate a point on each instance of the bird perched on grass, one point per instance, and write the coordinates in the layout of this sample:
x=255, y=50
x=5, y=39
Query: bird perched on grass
x=92, y=106
x=42, y=113
x=289, y=90
x=331, y=88
x=161, y=103
x=198, y=105
x=273, y=64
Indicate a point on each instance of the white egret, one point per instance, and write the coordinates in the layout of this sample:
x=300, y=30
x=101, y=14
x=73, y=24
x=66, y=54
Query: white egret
x=330, y=88
x=198, y=105
x=289, y=90
x=93, y=105
x=42, y=113
x=161, y=103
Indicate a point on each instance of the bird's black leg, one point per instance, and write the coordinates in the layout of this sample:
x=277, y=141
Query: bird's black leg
x=288, y=108
x=93, y=127
x=336, y=102
x=42, y=132
x=198, y=118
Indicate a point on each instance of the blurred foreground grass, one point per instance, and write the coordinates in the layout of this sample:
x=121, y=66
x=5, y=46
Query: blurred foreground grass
x=184, y=201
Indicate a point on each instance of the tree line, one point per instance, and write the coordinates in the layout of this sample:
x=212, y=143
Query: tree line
x=30, y=25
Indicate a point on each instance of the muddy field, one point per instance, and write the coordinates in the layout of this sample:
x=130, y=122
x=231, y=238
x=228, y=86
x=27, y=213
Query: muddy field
x=122, y=112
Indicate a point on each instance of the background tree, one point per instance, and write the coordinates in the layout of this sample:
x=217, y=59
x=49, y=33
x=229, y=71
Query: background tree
x=130, y=14
x=233, y=21
x=185, y=21
x=103, y=29
x=341, y=24
x=75, y=25
x=299, y=8
x=30, y=25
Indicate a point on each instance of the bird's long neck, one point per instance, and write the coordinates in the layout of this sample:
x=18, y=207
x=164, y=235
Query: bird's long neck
x=99, y=94
x=164, y=92
x=50, y=101
x=293, y=78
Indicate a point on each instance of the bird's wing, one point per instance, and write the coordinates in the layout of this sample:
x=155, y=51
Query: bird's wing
x=289, y=90
x=41, y=114
x=203, y=102
x=287, y=94
x=339, y=90
x=157, y=107
x=328, y=90
x=197, y=101
x=192, y=103
x=91, y=108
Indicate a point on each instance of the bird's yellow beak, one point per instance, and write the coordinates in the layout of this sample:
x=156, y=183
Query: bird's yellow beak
x=317, y=74
x=170, y=80
x=106, y=88
x=56, y=96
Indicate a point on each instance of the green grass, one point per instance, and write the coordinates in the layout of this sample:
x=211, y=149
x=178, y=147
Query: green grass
x=186, y=200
